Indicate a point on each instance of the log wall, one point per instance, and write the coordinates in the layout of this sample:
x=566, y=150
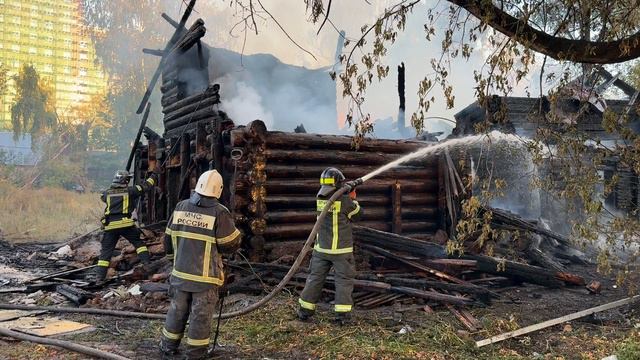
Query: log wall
x=277, y=178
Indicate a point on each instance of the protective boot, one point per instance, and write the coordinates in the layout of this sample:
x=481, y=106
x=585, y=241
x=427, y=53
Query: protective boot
x=144, y=257
x=169, y=349
x=304, y=314
x=100, y=274
x=342, y=318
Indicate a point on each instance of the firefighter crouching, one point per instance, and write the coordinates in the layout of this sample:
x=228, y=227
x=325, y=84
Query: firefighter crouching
x=333, y=247
x=198, y=232
x=121, y=200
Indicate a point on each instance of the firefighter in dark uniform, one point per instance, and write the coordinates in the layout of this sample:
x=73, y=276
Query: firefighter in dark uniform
x=198, y=232
x=121, y=200
x=333, y=248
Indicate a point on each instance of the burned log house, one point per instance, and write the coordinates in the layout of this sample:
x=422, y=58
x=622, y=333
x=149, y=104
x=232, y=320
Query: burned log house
x=524, y=115
x=271, y=177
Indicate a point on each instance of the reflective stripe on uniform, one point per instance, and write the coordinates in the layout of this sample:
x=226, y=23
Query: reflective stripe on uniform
x=167, y=231
x=229, y=237
x=170, y=335
x=355, y=211
x=151, y=181
x=174, y=243
x=207, y=260
x=103, y=263
x=336, y=236
x=327, y=181
x=332, y=251
x=306, y=305
x=139, y=188
x=196, y=342
x=198, y=278
x=108, y=210
x=142, y=249
x=169, y=256
x=193, y=236
x=335, y=212
x=122, y=223
x=125, y=203
x=343, y=308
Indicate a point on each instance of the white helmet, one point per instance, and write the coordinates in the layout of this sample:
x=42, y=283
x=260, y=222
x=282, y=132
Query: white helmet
x=210, y=184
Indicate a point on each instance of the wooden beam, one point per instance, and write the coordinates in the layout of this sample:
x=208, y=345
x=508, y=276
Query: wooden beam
x=396, y=206
x=556, y=321
x=172, y=22
x=155, y=52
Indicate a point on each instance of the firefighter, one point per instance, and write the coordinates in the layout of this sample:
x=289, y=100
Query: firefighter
x=333, y=248
x=121, y=200
x=198, y=232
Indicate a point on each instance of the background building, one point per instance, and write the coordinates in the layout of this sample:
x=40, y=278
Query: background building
x=50, y=35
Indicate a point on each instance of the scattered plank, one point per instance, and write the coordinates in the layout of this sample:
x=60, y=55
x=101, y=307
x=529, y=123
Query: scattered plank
x=556, y=321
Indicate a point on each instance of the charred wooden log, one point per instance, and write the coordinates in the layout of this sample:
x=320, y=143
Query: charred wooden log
x=350, y=171
x=203, y=103
x=193, y=99
x=299, y=231
x=311, y=186
x=188, y=118
x=325, y=156
x=374, y=213
x=396, y=242
x=281, y=140
x=524, y=272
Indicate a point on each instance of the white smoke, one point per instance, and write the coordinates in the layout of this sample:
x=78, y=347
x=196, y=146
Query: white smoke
x=247, y=105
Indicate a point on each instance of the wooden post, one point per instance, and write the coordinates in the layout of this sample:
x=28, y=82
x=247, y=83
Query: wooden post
x=396, y=201
x=442, y=196
x=258, y=177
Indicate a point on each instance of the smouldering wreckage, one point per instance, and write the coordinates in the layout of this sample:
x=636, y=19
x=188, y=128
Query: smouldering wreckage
x=410, y=212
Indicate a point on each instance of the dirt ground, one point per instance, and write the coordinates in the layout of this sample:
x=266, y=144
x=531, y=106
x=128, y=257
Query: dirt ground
x=402, y=331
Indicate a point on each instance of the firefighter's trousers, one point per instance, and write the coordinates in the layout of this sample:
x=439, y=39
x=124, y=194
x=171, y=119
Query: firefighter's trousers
x=109, y=241
x=197, y=307
x=345, y=272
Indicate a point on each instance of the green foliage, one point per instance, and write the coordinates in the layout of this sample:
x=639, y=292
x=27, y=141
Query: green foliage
x=32, y=112
x=62, y=173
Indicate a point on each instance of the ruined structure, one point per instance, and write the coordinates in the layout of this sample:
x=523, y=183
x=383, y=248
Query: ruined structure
x=524, y=116
x=271, y=178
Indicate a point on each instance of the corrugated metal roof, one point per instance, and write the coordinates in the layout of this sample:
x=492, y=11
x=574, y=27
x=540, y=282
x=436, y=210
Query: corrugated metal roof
x=16, y=152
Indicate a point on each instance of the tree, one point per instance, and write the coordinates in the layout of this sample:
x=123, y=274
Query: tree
x=33, y=111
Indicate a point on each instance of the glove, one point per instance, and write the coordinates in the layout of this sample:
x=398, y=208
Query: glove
x=351, y=185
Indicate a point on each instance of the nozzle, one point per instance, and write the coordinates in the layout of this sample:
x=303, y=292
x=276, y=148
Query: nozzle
x=350, y=185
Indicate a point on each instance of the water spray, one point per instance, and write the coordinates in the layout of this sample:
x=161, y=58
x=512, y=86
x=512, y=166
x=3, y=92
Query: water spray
x=348, y=187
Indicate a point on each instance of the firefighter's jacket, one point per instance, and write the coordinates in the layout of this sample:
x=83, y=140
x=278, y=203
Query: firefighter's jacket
x=121, y=202
x=335, y=235
x=198, y=232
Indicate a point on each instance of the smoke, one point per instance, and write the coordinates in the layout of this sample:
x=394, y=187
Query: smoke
x=283, y=96
x=246, y=105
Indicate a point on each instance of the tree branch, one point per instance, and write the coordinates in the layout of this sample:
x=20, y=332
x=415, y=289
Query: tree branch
x=582, y=51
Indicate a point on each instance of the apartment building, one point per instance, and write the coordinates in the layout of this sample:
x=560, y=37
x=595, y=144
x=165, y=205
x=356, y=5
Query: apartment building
x=52, y=36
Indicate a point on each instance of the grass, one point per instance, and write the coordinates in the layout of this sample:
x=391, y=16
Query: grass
x=273, y=332
x=46, y=214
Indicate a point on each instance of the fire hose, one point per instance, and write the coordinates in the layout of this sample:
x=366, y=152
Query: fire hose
x=305, y=249
x=292, y=271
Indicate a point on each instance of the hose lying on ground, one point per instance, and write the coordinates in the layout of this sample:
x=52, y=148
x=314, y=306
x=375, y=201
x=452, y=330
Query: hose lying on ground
x=62, y=344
